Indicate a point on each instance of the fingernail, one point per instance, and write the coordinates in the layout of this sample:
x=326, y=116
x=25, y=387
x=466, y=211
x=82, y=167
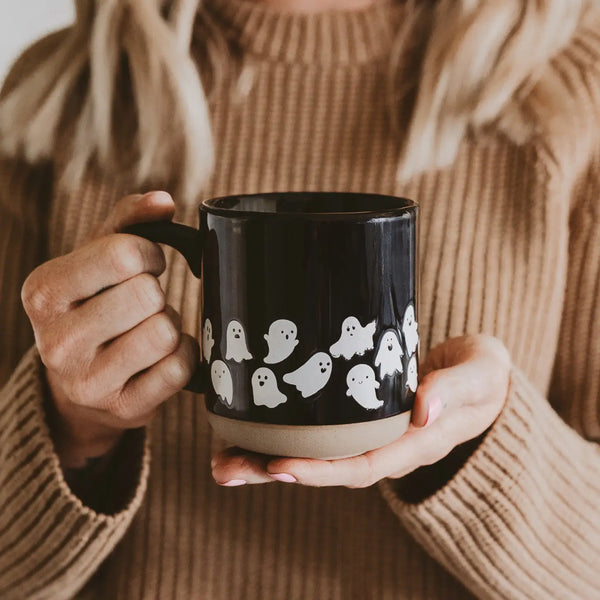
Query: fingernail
x=160, y=196
x=284, y=477
x=435, y=408
x=234, y=483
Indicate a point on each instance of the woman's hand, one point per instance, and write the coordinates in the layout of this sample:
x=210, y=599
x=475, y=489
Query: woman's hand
x=463, y=390
x=112, y=348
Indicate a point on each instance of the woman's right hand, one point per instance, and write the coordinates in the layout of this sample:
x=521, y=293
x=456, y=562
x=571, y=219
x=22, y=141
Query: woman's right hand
x=113, y=350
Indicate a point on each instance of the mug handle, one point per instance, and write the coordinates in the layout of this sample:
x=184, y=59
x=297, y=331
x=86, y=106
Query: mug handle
x=189, y=242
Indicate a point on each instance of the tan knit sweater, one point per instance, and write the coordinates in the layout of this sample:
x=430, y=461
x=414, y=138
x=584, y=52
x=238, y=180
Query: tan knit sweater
x=510, y=245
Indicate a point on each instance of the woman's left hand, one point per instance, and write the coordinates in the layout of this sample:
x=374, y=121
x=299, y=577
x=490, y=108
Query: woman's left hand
x=463, y=390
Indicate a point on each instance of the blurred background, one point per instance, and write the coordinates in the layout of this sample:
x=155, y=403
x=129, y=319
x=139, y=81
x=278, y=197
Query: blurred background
x=24, y=21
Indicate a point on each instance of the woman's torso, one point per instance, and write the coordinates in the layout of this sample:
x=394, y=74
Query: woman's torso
x=493, y=247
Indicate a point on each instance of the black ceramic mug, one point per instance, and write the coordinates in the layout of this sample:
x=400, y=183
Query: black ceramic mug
x=309, y=325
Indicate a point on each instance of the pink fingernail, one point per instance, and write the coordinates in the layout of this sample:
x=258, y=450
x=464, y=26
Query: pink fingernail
x=435, y=408
x=284, y=477
x=234, y=483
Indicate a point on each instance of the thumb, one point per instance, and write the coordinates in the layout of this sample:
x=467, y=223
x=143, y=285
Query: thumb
x=434, y=391
x=469, y=370
x=137, y=208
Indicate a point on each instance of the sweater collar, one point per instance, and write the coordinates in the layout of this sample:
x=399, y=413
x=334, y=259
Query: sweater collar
x=329, y=37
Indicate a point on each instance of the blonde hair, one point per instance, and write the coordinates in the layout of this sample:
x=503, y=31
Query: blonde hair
x=483, y=65
x=480, y=60
x=170, y=107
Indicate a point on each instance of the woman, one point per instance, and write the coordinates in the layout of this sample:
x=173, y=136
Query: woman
x=488, y=113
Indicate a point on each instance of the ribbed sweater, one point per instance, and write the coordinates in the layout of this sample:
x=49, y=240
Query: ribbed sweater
x=510, y=246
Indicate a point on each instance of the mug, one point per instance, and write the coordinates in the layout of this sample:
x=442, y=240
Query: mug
x=309, y=325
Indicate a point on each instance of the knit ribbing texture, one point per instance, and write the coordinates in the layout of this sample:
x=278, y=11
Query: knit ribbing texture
x=510, y=246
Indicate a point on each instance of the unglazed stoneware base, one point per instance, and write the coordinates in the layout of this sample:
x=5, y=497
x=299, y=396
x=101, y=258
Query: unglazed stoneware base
x=325, y=442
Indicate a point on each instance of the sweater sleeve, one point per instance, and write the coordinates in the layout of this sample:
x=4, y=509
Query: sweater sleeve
x=50, y=541
x=521, y=517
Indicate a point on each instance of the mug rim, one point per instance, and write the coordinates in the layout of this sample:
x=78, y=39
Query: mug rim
x=404, y=205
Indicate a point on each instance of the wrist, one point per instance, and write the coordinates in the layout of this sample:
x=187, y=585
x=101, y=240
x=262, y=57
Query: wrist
x=76, y=437
x=77, y=440
x=106, y=484
x=426, y=481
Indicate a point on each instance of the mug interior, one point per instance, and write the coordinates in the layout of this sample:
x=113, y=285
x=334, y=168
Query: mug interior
x=309, y=203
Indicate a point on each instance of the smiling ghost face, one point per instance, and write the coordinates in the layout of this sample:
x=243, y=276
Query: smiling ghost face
x=324, y=364
x=362, y=384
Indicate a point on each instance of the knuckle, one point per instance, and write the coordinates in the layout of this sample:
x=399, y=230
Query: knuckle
x=358, y=485
x=166, y=335
x=55, y=352
x=491, y=343
x=190, y=348
x=121, y=406
x=501, y=351
x=366, y=472
x=430, y=380
x=125, y=256
x=36, y=295
x=176, y=372
x=82, y=391
x=362, y=483
x=436, y=454
x=149, y=294
x=241, y=463
x=492, y=350
x=485, y=339
x=433, y=455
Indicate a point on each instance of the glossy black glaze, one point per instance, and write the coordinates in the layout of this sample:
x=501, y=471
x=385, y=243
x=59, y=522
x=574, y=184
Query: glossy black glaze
x=313, y=259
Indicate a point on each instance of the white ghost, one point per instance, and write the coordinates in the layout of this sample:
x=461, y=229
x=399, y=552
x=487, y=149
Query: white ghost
x=312, y=376
x=362, y=384
x=265, y=390
x=411, y=374
x=409, y=329
x=389, y=354
x=207, y=340
x=281, y=340
x=222, y=382
x=354, y=339
x=236, y=343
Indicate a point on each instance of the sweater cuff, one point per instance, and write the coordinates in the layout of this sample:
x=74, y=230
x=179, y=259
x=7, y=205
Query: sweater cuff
x=487, y=525
x=43, y=524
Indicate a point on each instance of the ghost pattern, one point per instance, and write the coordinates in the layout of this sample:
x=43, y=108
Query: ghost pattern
x=237, y=348
x=222, y=382
x=207, y=340
x=354, y=339
x=281, y=340
x=410, y=330
x=315, y=373
x=362, y=386
x=411, y=374
x=264, y=389
x=312, y=376
x=389, y=354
